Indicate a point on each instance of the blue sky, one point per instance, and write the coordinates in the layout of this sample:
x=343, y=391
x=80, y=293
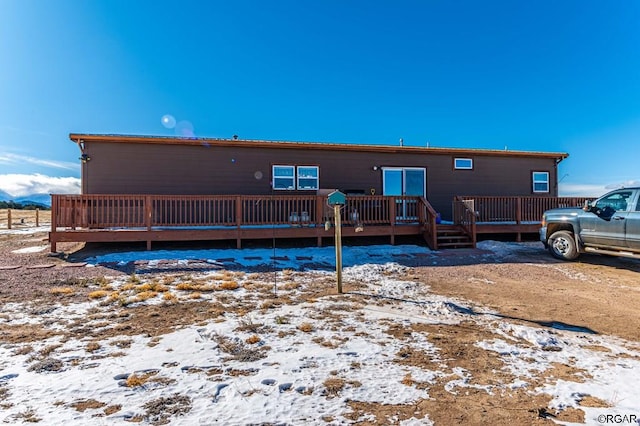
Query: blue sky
x=535, y=76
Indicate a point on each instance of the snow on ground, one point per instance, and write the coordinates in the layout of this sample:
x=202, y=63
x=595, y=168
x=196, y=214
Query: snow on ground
x=25, y=230
x=262, y=361
x=33, y=249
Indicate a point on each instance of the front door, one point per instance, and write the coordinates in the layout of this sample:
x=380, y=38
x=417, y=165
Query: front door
x=410, y=181
x=608, y=231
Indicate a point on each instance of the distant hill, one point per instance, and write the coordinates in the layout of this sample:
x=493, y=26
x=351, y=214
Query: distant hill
x=36, y=199
x=43, y=200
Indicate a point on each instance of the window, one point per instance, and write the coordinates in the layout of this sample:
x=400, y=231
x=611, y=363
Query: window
x=540, y=181
x=617, y=201
x=283, y=178
x=463, y=163
x=289, y=178
x=307, y=177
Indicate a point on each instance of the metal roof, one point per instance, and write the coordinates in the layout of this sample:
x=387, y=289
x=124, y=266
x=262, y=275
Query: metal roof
x=259, y=143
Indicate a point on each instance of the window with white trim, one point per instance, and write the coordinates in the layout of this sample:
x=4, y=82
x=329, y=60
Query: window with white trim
x=540, y=181
x=307, y=178
x=463, y=163
x=284, y=178
x=290, y=178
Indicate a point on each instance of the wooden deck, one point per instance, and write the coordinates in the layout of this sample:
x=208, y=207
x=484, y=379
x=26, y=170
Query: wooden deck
x=149, y=218
x=509, y=215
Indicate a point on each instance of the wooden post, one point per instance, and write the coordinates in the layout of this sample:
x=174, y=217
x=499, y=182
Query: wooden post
x=238, y=221
x=37, y=218
x=338, y=237
x=392, y=219
x=54, y=222
x=320, y=203
x=9, y=219
x=518, y=217
x=148, y=214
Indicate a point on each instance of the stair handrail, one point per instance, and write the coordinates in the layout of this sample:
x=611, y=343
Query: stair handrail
x=429, y=223
x=464, y=216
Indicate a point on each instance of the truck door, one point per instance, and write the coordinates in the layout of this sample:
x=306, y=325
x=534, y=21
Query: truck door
x=609, y=232
x=633, y=225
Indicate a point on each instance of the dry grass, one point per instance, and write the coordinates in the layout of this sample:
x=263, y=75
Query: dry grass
x=28, y=416
x=25, y=350
x=137, y=380
x=98, y=294
x=229, y=285
x=169, y=298
x=407, y=380
x=145, y=295
x=333, y=386
x=253, y=339
x=92, y=346
x=238, y=350
x=61, y=291
x=306, y=327
x=87, y=404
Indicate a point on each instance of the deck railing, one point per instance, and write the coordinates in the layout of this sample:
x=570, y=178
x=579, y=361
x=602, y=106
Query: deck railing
x=148, y=211
x=490, y=209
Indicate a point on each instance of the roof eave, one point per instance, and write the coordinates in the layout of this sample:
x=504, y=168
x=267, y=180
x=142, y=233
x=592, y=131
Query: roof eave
x=255, y=143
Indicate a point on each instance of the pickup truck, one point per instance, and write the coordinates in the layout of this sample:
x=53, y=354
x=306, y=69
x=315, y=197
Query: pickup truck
x=609, y=225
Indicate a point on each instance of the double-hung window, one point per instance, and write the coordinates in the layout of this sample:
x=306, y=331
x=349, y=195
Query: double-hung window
x=284, y=178
x=290, y=178
x=307, y=178
x=540, y=182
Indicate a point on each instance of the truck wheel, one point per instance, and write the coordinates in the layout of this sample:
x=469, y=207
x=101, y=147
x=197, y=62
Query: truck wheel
x=562, y=245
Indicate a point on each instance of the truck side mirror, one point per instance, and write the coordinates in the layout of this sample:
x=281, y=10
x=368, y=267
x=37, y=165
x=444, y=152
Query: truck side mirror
x=587, y=206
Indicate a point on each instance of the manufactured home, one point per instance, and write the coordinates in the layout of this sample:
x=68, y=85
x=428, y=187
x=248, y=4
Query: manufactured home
x=236, y=188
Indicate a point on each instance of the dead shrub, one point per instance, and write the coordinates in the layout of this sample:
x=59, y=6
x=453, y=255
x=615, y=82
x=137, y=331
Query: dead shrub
x=253, y=339
x=238, y=350
x=247, y=324
x=306, y=327
x=92, y=347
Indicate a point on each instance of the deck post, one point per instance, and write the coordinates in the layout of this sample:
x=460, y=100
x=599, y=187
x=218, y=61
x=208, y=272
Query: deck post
x=37, y=218
x=320, y=202
x=148, y=214
x=54, y=222
x=238, y=220
x=518, y=217
x=392, y=219
x=9, y=219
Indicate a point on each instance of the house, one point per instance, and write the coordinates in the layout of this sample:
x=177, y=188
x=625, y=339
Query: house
x=418, y=178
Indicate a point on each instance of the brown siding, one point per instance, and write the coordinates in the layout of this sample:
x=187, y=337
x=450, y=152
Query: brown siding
x=137, y=168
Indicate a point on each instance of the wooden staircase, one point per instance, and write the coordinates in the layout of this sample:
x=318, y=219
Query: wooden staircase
x=453, y=236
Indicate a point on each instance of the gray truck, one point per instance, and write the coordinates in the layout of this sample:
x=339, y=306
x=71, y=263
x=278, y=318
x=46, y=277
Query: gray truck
x=609, y=225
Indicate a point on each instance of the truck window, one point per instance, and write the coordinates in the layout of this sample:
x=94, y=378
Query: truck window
x=616, y=200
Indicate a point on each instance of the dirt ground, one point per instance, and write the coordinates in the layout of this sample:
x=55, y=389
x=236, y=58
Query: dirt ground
x=595, y=294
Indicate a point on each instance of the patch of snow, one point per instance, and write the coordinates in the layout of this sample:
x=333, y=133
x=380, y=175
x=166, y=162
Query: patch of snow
x=35, y=249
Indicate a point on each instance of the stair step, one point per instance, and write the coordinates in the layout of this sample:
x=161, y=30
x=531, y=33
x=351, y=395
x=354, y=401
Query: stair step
x=456, y=245
x=452, y=237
